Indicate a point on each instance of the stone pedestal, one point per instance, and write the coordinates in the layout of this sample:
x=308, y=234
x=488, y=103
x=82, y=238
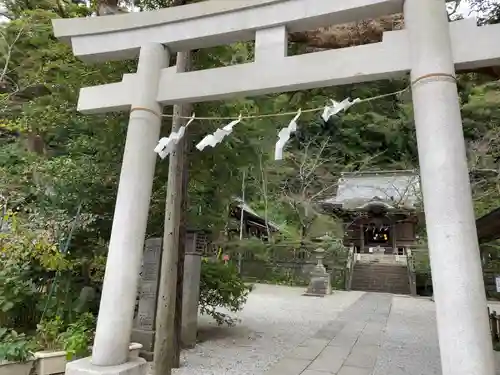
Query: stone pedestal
x=320, y=284
x=134, y=366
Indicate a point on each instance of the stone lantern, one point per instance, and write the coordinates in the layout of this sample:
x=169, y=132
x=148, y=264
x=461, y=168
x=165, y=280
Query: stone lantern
x=320, y=284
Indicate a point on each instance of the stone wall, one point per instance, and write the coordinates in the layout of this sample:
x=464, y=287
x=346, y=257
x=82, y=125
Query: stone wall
x=289, y=272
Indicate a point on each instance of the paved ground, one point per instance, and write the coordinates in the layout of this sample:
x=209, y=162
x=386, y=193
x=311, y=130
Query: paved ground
x=355, y=333
x=380, y=334
x=348, y=345
x=274, y=321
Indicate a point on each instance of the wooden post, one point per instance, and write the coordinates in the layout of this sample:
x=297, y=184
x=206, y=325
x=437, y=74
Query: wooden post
x=185, y=110
x=362, y=238
x=395, y=249
x=242, y=217
x=165, y=339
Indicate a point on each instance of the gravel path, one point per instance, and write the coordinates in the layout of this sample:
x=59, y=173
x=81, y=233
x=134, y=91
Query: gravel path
x=274, y=321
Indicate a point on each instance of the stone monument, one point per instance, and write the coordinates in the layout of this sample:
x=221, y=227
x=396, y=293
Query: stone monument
x=144, y=324
x=143, y=331
x=320, y=284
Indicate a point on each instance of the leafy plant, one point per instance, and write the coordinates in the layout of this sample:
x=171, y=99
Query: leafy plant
x=78, y=337
x=14, y=347
x=17, y=291
x=48, y=333
x=221, y=287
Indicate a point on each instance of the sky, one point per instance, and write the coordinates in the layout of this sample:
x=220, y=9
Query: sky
x=464, y=8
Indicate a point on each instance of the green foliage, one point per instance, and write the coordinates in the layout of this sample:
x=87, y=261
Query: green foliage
x=75, y=338
x=36, y=277
x=14, y=347
x=48, y=333
x=79, y=336
x=221, y=287
x=15, y=290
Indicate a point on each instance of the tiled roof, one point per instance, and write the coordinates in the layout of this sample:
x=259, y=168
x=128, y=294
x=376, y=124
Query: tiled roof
x=392, y=190
x=246, y=208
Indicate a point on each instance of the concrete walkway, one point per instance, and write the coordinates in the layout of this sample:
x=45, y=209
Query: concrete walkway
x=349, y=345
x=282, y=332
x=380, y=334
x=274, y=321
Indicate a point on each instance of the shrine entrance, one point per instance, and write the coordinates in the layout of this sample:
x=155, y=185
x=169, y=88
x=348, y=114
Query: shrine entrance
x=377, y=238
x=429, y=48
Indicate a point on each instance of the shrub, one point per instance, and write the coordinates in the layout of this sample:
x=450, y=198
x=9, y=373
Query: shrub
x=79, y=336
x=75, y=338
x=221, y=287
x=14, y=347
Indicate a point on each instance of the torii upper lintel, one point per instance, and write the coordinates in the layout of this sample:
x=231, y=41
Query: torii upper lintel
x=387, y=59
x=207, y=24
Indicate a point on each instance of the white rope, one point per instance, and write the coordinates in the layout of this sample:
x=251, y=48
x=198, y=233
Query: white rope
x=167, y=145
x=292, y=113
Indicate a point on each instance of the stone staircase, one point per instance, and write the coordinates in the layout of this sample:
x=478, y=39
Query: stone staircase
x=381, y=277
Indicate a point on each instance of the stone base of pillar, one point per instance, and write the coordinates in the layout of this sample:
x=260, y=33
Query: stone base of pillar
x=135, y=366
x=189, y=334
x=147, y=339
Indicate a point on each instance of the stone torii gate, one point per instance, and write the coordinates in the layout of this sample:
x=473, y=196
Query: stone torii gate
x=429, y=47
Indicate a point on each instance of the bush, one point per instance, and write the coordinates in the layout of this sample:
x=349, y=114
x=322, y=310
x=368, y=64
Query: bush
x=38, y=279
x=48, y=334
x=18, y=295
x=79, y=336
x=221, y=286
x=75, y=338
x=14, y=347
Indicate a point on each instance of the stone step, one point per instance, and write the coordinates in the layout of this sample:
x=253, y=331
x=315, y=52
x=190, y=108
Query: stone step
x=376, y=277
x=383, y=290
x=380, y=266
x=360, y=276
x=379, y=282
x=378, y=271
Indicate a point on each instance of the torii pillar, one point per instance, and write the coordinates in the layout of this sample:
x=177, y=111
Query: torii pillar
x=463, y=328
x=120, y=286
x=428, y=47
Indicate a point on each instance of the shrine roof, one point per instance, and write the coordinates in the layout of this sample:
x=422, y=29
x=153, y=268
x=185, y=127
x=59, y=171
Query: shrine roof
x=487, y=226
x=389, y=190
x=252, y=215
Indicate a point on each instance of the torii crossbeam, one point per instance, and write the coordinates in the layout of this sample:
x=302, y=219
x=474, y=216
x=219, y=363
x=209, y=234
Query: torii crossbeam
x=429, y=48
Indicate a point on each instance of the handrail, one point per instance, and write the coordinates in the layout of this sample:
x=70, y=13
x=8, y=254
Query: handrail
x=351, y=261
x=410, y=265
